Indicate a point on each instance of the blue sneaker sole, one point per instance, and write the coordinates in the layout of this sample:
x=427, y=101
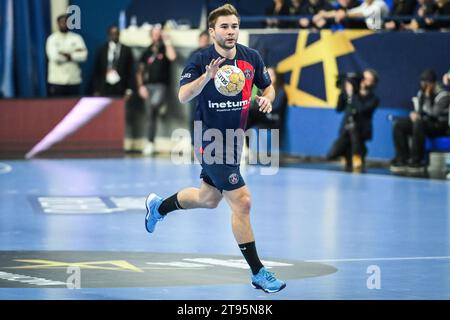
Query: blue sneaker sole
x=150, y=197
x=256, y=286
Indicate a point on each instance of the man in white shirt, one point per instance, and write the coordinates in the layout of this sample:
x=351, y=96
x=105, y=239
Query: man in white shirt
x=372, y=10
x=65, y=51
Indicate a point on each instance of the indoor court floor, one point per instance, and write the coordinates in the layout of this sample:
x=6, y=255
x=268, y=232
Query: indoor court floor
x=328, y=234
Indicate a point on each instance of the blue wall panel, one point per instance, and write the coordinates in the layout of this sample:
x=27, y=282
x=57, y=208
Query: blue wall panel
x=311, y=132
x=399, y=58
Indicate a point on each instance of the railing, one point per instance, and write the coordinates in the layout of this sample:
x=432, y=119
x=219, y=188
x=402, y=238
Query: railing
x=309, y=17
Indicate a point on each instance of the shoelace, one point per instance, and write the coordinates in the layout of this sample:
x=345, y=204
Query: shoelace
x=270, y=276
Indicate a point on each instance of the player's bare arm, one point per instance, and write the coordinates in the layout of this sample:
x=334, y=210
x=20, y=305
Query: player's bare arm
x=191, y=90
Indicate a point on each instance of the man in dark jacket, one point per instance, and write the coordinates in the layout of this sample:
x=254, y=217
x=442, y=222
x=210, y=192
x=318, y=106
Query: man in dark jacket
x=114, y=68
x=358, y=102
x=429, y=118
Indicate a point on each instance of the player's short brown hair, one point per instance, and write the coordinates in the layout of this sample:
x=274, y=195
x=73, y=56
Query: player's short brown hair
x=225, y=10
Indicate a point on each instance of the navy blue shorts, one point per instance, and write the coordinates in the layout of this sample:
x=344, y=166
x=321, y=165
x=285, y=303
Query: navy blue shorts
x=222, y=176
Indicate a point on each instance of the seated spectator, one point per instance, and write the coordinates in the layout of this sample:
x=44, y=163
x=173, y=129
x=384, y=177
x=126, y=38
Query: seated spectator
x=295, y=9
x=424, y=9
x=441, y=8
x=311, y=8
x=277, y=8
x=401, y=8
x=429, y=119
x=372, y=10
x=324, y=19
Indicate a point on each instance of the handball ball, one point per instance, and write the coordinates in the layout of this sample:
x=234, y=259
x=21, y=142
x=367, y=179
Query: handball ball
x=229, y=80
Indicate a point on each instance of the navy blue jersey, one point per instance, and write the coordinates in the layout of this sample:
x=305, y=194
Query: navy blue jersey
x=219, y=111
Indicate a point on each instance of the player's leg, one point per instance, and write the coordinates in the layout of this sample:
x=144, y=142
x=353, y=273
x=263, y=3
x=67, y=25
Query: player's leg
x=206, y=196
x=239, y=201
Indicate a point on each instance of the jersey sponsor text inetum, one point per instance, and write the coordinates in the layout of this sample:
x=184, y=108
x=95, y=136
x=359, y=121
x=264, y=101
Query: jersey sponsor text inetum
x=229, y=104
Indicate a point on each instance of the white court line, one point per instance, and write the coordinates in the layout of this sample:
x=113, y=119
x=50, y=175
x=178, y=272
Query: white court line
x=5, y=168
x=381, y=259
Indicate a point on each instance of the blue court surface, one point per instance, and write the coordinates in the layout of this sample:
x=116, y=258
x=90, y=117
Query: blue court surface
x=75, y=223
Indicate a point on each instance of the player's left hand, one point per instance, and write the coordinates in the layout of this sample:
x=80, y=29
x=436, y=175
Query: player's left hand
x=264, y=104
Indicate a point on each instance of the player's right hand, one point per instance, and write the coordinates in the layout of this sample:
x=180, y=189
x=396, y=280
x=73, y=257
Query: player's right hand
x=213, y=67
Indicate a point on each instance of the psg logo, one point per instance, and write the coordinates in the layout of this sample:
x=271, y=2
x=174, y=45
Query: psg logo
x=233, y=178
x=248, y=74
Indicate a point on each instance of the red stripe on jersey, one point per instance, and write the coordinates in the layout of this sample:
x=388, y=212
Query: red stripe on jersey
x=246, y=68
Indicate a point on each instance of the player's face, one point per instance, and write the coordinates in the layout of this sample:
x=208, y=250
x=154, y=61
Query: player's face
x=226, y=31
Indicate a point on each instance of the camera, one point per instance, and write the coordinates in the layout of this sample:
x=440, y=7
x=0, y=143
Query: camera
x=354, y=78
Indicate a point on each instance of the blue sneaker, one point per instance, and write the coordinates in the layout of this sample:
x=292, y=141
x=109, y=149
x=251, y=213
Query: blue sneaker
x=265, y=280
x=152, y=204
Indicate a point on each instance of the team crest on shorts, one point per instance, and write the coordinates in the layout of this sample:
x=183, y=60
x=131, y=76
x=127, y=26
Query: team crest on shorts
x=248, y=74
x=233, y=178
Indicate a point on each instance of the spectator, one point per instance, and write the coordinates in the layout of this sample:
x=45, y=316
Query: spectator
x=424, y=9
x=153, y=79
x=324, y=18
x=295, y=9
x=204, y=41
x=277, y=8
x=359, y=102
x=401, y=8
x=113, y=70
x=65, y=51
x=429, y=119
x=311, y=8
x=441, y=8
x=372, y=10
x=446, y=78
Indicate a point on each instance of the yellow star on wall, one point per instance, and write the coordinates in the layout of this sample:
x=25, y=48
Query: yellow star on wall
x=330, y=46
